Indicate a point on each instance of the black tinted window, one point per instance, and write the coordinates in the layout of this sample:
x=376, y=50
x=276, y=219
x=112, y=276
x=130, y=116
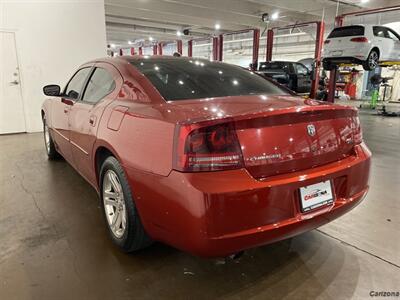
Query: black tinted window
x=380, y=31
x=100, y=85
x=75, y=85
x=180, y=78
x=272, y=66
x=347, y=31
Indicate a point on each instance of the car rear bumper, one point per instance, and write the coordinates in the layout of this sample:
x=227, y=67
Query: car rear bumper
x=220, y=213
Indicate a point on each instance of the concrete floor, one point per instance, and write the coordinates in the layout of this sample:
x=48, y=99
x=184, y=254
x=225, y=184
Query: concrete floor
x=53, y=243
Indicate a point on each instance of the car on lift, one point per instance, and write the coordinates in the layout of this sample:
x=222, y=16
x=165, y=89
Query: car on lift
x=367, y=45
x=204, y=156
x=294, y=75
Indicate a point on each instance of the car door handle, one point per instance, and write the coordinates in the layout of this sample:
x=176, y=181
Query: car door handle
x=92, y=120
x=15, y=82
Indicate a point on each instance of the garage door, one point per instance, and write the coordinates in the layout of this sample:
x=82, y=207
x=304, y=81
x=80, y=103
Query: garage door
x=12, y=119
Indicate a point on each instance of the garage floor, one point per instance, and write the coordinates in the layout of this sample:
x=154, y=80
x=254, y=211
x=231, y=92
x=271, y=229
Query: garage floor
x=53, y=243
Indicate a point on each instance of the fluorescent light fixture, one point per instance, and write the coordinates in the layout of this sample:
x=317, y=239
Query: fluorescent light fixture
x=151, y=38
x=275, y=15
x=217, y=26
x=178, y=33
x=112, y=45
x=130, y=42
x=364, y=1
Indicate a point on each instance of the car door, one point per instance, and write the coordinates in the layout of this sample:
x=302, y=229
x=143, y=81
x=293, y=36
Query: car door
x=395, y=53
x=303, y=78
x=101, y=88
x=60, y=109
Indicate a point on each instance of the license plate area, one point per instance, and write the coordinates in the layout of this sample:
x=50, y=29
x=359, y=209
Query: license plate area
x=316, y=195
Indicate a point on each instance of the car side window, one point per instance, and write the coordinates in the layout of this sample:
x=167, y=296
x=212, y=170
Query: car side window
x=100, y=84
x=379, y=31
x=300, y=69
x=75, y=85
x=392, y=35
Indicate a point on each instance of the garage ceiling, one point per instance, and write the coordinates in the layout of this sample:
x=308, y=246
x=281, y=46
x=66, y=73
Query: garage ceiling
x=137, y=20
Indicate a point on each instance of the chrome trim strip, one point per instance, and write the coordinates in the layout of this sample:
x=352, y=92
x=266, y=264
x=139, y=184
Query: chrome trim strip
x=60, y=134
x=79, y=147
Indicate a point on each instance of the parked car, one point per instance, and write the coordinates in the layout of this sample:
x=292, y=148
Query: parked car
x=205, y=156
x=367, y=45
x=292, y=74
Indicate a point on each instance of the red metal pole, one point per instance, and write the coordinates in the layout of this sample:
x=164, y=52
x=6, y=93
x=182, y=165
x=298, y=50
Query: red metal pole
x=190, y=48
x=319, y=41
x=121, y=52
x=140, y=50
x=256, y=47
x=132, y=51
x=179, y=46
x=160, y=48
x=215, y=48
x=332, y=85
x=270, y=44
x=339, y=21
x=220, y=47
x=154, y=49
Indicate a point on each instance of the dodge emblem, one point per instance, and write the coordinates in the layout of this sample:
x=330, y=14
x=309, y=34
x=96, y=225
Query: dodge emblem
x=311, y=130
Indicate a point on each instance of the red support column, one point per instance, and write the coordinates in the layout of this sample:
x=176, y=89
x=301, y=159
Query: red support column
x=317, y=56
x=120, y=52
x=220, y=48
x=190, y=48
x=154, y=49
x=215, y=48
x=179, y=46
x=140, y=50
x=132, y=51
x=256, y=46
x=159, y=47
x=270, y=44
x=332, y=85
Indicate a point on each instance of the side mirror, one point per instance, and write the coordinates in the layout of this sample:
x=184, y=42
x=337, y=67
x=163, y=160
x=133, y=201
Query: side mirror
x=52, y=90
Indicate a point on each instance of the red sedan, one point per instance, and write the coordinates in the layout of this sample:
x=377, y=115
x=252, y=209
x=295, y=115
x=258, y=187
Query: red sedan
x=207, y=157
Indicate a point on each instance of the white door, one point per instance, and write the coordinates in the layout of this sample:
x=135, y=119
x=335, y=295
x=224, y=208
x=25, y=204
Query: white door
x=12, y=118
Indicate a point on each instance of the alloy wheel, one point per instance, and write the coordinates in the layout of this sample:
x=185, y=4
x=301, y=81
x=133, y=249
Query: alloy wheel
x=373, y=60
x=114, y=203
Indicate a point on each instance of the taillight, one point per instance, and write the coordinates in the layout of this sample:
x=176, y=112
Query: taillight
x=327, y=42
x=209, y=148
x=362, y=39
x=357, y=132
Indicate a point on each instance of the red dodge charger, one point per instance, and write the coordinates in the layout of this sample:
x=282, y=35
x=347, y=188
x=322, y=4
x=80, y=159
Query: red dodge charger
x=205, y=156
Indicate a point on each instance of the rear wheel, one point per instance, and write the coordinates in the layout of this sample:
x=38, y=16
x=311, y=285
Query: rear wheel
x=48, y=142
x=372, y=61
x=123, y=222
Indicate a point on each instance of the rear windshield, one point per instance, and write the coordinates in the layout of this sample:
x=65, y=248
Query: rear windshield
x=347, y=31
x=182, y=79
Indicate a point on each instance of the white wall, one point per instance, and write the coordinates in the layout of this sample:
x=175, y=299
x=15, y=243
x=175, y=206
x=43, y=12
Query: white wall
x=53, y=38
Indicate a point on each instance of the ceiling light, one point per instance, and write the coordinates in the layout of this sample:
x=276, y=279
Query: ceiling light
x=130, y=42
x=217, y=26
x=275, y=16
x=178, y=33
x=112, y=45
x=364, y=1
x=151, y=38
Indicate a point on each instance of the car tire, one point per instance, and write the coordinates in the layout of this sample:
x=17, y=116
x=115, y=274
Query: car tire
x=372, y=61
x=50, y=147
x=119, y=210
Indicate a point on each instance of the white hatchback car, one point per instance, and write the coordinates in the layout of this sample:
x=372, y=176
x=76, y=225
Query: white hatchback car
x=367, y=45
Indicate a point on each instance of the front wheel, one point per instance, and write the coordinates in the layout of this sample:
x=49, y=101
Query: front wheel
x=123, y=222
x=372, y=61
x=48, y=142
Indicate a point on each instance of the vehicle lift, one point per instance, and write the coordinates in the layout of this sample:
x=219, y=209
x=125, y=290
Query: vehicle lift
x=339, y=20
x=317, y=53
